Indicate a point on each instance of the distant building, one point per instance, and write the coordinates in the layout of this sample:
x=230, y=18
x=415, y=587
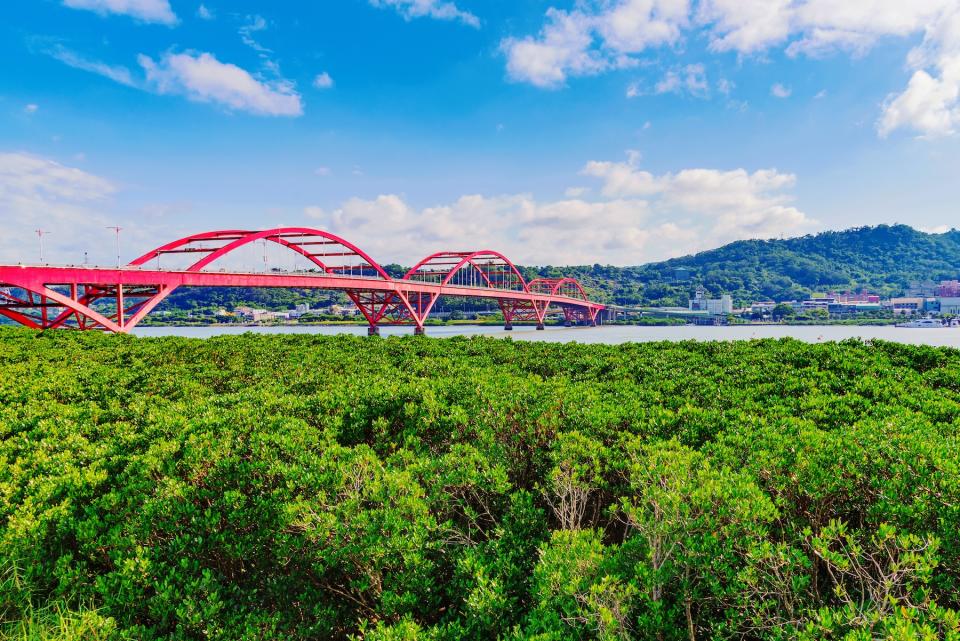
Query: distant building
x=344, y=310
x=908, y=305
x=921, y=289
x=714, y=306
x=948, y=289
x=852, y=309
x=950, y=305
x=852, y=299
x=762, y=307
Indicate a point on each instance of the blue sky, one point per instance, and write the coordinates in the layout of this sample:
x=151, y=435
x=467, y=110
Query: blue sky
x=611, y=131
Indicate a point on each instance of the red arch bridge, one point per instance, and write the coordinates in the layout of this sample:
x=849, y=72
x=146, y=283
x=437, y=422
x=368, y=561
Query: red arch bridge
x=116, y=299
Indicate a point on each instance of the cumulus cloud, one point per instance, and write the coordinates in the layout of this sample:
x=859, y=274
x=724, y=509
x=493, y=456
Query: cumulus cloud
x=158, y=11
x=204, y=13
x=437, y=9
x=36, y=192
x=733, y=204
x=639, y=217
x=583, y=42
x=930, y=105
x=745, y=26
x=778, y=90
x=597, y=37
x=323, y=81
x=203, y=78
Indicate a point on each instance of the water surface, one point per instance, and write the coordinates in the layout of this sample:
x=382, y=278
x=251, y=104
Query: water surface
x=609, y=334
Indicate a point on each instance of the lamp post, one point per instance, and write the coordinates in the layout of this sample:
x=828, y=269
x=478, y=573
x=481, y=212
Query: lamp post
x=40, y=234
x=117, y=230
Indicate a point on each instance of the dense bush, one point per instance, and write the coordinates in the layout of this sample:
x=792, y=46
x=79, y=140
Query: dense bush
x=306, y=487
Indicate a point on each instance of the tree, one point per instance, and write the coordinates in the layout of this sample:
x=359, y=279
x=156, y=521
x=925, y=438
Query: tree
x=694, y=523
x=782, y=310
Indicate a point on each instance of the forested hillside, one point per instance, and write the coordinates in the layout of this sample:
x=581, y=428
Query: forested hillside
x=306, y=487
x=882, y=259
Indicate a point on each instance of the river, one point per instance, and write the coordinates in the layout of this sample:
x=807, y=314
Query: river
x=609, y=334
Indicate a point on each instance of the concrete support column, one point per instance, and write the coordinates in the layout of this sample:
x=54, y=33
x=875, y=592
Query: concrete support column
x=508, y=326
x=540, y=326
x=373, y=330
x=418, y=331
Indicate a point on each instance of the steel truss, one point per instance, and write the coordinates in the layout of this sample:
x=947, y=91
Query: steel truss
x=115, y=300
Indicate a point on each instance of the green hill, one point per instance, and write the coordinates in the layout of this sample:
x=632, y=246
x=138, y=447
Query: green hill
x=882, y=259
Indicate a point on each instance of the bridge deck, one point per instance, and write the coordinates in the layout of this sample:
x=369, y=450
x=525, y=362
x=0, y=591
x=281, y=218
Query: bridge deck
x=46, y=296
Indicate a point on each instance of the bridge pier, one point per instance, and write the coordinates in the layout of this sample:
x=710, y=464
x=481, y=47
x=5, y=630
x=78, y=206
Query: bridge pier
x=508, y=326
x=540, y=326
x=567, y=323
x=373, y=330
x=418, y=331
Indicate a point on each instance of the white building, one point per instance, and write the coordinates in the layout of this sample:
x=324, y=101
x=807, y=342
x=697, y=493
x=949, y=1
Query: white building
x=714, y=306
x=720, y=306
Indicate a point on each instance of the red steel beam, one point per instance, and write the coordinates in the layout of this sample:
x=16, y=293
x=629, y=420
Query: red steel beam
x=377, y=295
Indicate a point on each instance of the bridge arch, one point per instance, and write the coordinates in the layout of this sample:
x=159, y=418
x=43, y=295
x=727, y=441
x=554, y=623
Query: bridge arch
x=567, y=287
x=481, y=269
x=48, y=297
x=443, y=267
x=301, y=240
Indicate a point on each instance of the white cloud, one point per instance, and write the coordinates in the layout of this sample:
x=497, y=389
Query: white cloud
x=584, y=43
x=937, y=229
x=563, y=48
x=930, y=105
x=204, y=13
x=641, y=217
x=746, y=26
x=116, y=73
x=740, y=204
x=778, y=90
x=322, y=171
x=437, y=9
x=602, y=36
x=691, y=79
x=253, y=25
x=31, y=108
x=323, y=81
x=203, y=78
x=144, y=10
x=36, y=192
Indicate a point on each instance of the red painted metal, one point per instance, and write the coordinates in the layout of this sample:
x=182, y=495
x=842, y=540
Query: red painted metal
x=45, y=297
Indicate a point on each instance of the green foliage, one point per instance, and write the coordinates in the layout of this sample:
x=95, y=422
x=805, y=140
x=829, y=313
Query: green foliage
x=306, y=487
x=882, y=259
